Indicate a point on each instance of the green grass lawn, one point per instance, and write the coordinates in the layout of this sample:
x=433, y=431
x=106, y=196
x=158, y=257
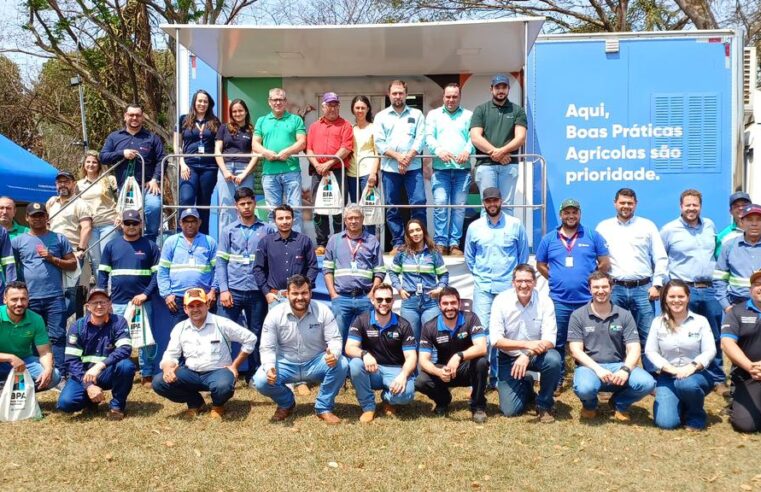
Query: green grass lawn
x=154, y=449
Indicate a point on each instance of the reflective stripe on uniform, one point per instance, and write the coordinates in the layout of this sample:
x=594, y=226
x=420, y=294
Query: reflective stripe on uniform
x=126, y=271
x=73, y=351
x=123, y=341
x=93, y=358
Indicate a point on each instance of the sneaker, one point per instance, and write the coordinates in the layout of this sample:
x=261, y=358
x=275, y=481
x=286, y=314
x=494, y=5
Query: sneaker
x=320, y=251
x=282, y=413
x=115, y=414
x=588, y=414
x=329, y=418
x=545, y=416
x=367, y=417
x=479, y=416
x=217, y=413
x=442, y=249
x=455, y=251
x=441, y=410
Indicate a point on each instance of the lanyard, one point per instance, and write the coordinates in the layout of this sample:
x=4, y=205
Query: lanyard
x=200, y=128
x=569, y=242
x=354, y=249
x=247, y=233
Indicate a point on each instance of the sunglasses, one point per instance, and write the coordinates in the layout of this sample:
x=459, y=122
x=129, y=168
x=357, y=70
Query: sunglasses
x=387, y=300
x=131, y=224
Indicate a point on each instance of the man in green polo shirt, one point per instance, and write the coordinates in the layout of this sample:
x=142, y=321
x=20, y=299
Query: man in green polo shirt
x=498, y=129
x=7, y=217
x=277, y=137
x=19, y=329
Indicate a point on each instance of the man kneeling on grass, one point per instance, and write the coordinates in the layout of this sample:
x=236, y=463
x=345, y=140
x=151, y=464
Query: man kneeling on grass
x=98, y=348
x=203, y=341
x=301, y=342
x=603, y=339
x=384, y=356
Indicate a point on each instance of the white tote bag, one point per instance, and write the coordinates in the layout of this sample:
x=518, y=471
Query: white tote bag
x=139, y=326
x=130, y=197
x=369, y=201
x=71, y=279
x=329, y=200
x=18, y=400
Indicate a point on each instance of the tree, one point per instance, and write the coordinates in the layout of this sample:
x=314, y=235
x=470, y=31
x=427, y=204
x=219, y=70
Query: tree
x=16, y=121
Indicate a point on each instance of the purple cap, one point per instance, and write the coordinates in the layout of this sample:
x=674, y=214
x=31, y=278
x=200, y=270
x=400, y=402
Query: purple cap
x=330, y=97
x=750, y=210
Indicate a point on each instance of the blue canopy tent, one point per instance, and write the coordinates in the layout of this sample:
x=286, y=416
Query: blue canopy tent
x=24, y=176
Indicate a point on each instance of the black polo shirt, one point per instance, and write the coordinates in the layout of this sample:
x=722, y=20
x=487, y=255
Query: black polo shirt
x=436, y=335
x=604, y=339
x=386, y=343
x=743, y=325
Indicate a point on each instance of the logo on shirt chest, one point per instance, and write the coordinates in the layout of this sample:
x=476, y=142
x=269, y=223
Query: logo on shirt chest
x=463, y=335
x=442, y=339
x=589, y=329
x=372, y=333
x=392, y=335
x=748, y=319
x=614, y=328
x=314, y=326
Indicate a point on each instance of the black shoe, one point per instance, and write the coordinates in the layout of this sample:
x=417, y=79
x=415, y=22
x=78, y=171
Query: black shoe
x=441, y=410
x=479, y=416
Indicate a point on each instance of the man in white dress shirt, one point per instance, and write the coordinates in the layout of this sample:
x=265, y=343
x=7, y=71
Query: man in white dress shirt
x=638, y=263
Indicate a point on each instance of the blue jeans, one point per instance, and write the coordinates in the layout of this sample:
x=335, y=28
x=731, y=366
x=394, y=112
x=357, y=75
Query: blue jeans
x=636, y=301
x=104, y=235
x=53, y=311
x=189, y=384
x=482, y=302
x=152, y=207
x=502, y=177
x=587, y=385
x=364, y=383
x=418, y=310
x=146, y=355
x=35, y=370
x=198, y=190
x=562, y=317
x=449, y=187
x=514, y=394
x=331, y=381
x=346, y=308
x=351, y=196
x=703, y=302
x=116, y=378
x=226, y=192
x=254, y=305
x=284, y=188
x=412, y=181
x=681, y=400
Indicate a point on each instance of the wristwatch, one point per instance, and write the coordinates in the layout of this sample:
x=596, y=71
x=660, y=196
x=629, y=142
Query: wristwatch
x=79, y=249
x=626, y=369
x=461, y=356
x=363, y=354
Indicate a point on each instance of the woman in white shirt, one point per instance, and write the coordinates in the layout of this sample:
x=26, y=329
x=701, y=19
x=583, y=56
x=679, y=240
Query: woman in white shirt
x=101, y=198
x=362, y=168
x=680, y=345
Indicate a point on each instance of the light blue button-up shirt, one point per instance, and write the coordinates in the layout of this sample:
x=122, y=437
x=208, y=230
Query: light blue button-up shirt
x=493, y=251
x=450, y=132
x=690, y=249
x=400, y=132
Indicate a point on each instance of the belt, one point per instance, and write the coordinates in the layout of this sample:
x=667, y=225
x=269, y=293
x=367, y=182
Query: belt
x=699, y=285
x=632, y=283
x=354, y=293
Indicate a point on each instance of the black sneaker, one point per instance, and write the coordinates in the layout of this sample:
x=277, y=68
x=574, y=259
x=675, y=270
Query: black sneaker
x=479, y=416
x=441, y=410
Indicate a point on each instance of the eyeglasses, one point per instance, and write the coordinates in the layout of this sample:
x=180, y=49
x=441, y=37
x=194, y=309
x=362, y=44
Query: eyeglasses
x=387, y=300
x=531, y=281
x=98, y=303
x=277, y=100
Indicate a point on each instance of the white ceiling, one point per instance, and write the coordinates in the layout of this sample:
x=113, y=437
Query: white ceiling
x=478, y=47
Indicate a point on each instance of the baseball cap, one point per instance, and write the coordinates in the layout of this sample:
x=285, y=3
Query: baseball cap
x=570, y=202
x=131, y=215
x=500, y=78
x=95, y=291
x=491, y=192
x=64, y=174
x=750, y=210
x=740, y=195
x=755, y=277
x=189, y=212
x=330, y=97
x=35, y=208
x=195, y=294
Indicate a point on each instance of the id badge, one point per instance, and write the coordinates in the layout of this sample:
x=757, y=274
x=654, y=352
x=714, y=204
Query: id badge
x=354, y=267
x=419, y=288
x=201, y=149
x=569, y=261
x=246, y=260
x=192, y=261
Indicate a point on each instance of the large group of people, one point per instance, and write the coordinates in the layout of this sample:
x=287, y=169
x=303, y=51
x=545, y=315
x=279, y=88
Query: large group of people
x=241, y=305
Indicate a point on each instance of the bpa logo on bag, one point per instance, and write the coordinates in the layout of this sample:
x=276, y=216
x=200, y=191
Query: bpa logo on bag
x=18, y=392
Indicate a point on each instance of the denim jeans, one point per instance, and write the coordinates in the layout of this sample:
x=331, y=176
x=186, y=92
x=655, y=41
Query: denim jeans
x=346, y=308
x=418, y=310
x=226, y=192
x=146, y=355
x=322, y=222
x=514, y=394
x=365, y=382
x=449, y=187
x=253, y=304
x=284, y=188
x=471, y=373
x=482, y=302
x=681, y=400
x=703, y=302
x=502, y=177
x=351, y=195
x=562, y=317
x=53, y=311
x=152, y=207
x=116, y=378
x=587, y=385
x=32, y=363
x=198, y=190
x=636, y=301
x=331, y=381
x=104, y=235
x=412, y=181
x=189, y=384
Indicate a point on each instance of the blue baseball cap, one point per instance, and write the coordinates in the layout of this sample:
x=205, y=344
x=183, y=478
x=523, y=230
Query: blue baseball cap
x=500, y=78
x=189, y=212
x=740, y=195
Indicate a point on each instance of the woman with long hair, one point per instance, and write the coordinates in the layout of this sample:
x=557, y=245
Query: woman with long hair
x=101, y=198
x=362, y=168
x=418, y=273
x=198, y=175
x=234, y=137
x=680, y=345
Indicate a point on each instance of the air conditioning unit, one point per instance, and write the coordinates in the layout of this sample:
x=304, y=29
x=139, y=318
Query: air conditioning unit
x=750, y=78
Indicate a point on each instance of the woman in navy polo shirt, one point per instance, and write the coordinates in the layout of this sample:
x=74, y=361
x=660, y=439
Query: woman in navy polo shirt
x=235, y=171
x=198, y=175
x=680, y=345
